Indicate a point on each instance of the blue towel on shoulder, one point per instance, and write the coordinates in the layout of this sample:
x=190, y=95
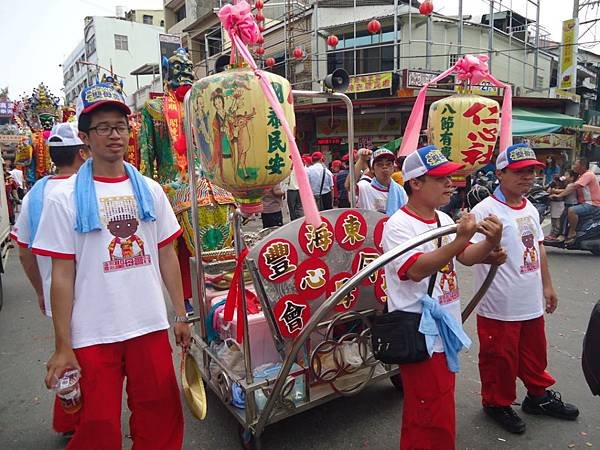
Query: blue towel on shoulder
x=397, y=198
x=436, y=321
x=88, y=216
x=36, y=205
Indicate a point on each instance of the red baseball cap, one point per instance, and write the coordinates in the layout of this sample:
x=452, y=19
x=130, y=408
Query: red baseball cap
x=317, y=155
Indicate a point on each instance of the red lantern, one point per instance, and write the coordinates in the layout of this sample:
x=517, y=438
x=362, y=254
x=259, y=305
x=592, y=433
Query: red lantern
x=259, y=17
x=270, y=62
x=260, y=40
x=333, y=40
x=261, y=27
x=374, y=26
x=426, y=8
x=298, y=53
x=259, y=4
x=260, y=51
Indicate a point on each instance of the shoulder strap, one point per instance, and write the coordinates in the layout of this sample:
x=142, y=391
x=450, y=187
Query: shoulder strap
x=439, y=244
x=322, y=180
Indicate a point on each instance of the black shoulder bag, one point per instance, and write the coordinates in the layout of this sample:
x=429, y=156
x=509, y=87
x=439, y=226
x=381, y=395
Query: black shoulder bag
x=319, y=198
x=395, y=336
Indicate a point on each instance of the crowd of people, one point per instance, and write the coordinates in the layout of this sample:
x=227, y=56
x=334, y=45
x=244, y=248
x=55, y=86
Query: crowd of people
x=96, y=242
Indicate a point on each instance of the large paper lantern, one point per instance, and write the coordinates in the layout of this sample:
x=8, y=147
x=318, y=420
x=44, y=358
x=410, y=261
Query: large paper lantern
x=243, y=147
x=465, y=128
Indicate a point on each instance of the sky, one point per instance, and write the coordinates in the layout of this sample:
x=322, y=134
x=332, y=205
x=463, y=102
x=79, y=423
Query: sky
x=37, y=35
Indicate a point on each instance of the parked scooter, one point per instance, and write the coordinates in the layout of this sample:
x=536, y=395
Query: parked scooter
x=588, y=236
x=540, y=199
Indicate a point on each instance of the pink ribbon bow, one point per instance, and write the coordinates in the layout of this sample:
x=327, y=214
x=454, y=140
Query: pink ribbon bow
x=473, y=69
x=238, y=20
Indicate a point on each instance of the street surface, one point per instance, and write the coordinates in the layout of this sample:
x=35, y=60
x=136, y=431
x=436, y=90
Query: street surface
x=368, y=420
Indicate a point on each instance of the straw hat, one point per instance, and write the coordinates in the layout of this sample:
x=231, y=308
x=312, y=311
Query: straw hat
x=193, y=386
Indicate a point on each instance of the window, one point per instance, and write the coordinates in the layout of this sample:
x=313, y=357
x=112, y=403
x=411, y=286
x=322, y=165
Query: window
x=90, y=46
x=162, y=23
x=453, y=59
x=121, y=42
x=180, y=14
x=147, y=19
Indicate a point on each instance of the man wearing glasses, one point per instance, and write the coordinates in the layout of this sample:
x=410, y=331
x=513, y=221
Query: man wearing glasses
x=110, y=233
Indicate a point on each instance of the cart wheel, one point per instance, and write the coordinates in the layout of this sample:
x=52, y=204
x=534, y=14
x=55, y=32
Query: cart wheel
x=248, y=440
x=397, y=382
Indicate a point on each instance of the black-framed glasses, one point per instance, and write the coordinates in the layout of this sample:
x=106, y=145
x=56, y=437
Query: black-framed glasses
x=106, y=130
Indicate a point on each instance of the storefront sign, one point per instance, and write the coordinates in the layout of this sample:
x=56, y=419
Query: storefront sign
x=332, y=141
x=12, y=138
x=373, y=82
x=567, y=75
x=416, y=79
x=6, y=108
x=560, y=93
x=552, y=140
x=485, y=87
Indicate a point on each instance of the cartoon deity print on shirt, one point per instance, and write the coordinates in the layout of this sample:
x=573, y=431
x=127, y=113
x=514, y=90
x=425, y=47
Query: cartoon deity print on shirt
x=526, y=227
x=126, y=249
x=447, y=280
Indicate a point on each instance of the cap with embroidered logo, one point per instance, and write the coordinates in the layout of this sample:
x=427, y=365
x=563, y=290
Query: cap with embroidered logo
x=380, y=153
x=428, y=161
x=64, y=134
x=99, y=94
x=516, y=157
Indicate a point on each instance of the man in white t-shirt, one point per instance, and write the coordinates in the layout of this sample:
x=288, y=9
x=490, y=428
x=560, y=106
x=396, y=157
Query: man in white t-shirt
x=68, y=154
x=17, y=175
x=373, y=194
x=510, y=320
x=110, y=233
x=429, y=385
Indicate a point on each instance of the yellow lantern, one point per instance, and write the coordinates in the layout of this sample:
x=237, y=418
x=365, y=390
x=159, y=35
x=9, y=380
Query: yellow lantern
x=465, y=128
x=241, y=142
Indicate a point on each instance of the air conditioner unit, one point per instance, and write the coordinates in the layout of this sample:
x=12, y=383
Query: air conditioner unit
x=518, y=91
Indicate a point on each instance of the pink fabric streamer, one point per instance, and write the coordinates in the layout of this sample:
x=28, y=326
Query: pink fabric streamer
x=231, y=24
x=238, y=19
x=472, y=69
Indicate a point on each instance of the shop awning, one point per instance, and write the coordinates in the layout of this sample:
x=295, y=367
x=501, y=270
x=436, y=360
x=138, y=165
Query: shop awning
x=530, y=128
x=545, y=116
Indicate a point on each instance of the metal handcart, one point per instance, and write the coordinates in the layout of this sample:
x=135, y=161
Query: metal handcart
x=318, y=337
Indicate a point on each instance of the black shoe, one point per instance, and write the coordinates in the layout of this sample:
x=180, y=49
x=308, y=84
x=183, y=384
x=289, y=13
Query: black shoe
x=550, y=405
x=507, y=417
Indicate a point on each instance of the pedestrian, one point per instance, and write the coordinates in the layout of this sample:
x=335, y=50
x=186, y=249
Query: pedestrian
x=272, y=201
x=293, y=197
x=428, y=415
x=557, y=206
x=17, y=174
x=321, y=182
x=110, y=233
x=12, y=199
x=340, y=182
x=510, y=318
x=551, y=170
x=336, y=166
x=569, y=201
x=67, y=154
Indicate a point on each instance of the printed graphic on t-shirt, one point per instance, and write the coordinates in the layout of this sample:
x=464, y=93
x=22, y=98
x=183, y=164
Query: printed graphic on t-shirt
x=447, y=281
x=126, y=249
x=531, y=261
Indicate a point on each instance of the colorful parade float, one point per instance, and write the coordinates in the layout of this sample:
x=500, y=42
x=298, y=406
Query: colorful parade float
x=298, y=333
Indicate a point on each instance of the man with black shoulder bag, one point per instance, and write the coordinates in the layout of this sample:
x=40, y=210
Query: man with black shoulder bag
x=423, y=330
x=321, y=182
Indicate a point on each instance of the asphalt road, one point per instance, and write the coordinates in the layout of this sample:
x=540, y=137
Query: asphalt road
x=368, y=420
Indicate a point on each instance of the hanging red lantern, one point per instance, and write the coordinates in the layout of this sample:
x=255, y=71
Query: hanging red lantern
x=426, y=8
x=374, y=26
x=261, y=27
x=259, y=4
x=260, y=17
x=260, y=51
x=270, y=62
x=298, y=53
x=260, y=40
x=333, y=40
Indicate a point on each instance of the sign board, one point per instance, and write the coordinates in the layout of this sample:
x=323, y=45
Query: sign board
x=6, y=108
x=567, y=68
x=167, y=44
x=484, y=88
x=416, y=79
x=560, y=93
x=552, y=140
x=373, y=82
x=12, y=138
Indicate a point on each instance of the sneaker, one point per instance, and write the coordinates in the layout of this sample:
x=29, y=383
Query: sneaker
x=506, y=417
x=550, y=405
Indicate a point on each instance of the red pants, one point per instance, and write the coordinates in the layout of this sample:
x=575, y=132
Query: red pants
x=428, y=415
x=153, y=397
x=509, y=350
x=61, y=421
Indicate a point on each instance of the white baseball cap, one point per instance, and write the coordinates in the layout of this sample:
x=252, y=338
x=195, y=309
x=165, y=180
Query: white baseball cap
x=64, y=134
x=428, y=161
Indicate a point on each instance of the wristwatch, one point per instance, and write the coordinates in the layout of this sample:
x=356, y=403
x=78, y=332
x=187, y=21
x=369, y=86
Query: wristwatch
x=178, y=319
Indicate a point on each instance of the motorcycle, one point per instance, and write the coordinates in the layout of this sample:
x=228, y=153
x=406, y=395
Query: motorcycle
x=540, y=199
x=587, y=238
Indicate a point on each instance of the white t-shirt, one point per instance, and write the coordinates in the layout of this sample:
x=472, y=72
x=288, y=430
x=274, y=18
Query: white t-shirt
x=118, y=291
x=21, y=233
x=371, y=197
x=516, y=292
x=404, y=294
x=315, y=177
